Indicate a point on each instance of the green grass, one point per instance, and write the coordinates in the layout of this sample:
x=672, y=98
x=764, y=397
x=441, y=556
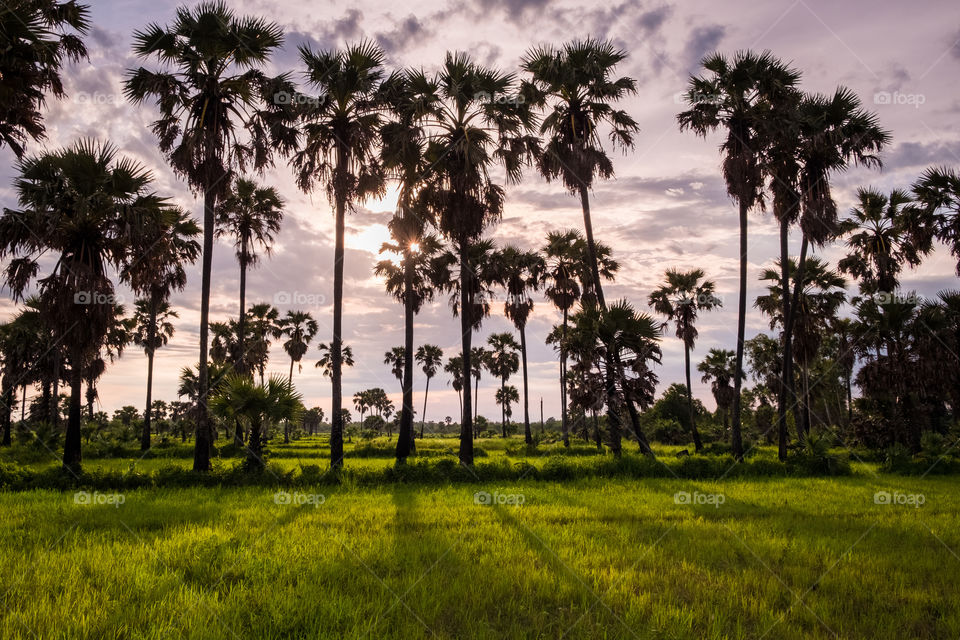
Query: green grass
x=583, y=558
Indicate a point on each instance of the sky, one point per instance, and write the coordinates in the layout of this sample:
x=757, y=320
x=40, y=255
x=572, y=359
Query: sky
x=666, y=208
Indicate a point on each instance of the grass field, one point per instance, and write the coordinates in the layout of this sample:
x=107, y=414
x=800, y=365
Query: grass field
x=595, y=558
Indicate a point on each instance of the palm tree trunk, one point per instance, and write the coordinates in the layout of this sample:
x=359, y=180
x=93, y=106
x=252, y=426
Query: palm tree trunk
x=91, y=394
x=405, y=437
x=564, y=425
x=71, y=441
x=204, y=437
x=591, y=246
x=789, y=322
x=849, y=401
x=697, y=443
x=737, y=442
x=336, y=346
x=8, y=396
x=596, y=431
x=466, y=335
x=55, y=398
x=476, y=397
x=151, y=336
x=239, y=365
x=503, y=407
x=527, y=436
x=423, y=417
x=290, y=375
x=787, y=392
x=23, y=405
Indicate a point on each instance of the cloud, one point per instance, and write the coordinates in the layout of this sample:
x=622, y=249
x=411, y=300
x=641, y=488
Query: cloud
x=703, y=40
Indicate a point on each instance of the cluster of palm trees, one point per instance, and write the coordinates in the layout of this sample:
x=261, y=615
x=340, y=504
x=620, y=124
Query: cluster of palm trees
x=440, y=138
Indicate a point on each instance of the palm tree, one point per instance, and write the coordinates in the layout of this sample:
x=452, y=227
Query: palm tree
x=325, y=363
x=454, y=367
x=718, y=368
x=211, y=90
x=505, y=397
x=85, y=200
x=470, y=131
x=503, y=361
x=36, y=38
x=341, y=130
x=879, y=241
x=263, y=318
x=563, y=290
x=251, y=214
x=259, y=406
x=938, y=191
x=522, y=272
x=361, y=402
x=21, y=345
x=822, y=293
x=577, y=85
x=299, y=328
x=681, y=298
x=153, y=330
x=413, y=283
x=163, y=250
x=479, y=359
x=395, y=358
x=732, y=97
x=430, y=357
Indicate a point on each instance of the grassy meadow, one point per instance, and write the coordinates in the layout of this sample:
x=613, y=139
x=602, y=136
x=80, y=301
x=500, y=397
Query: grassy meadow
x=797, y=557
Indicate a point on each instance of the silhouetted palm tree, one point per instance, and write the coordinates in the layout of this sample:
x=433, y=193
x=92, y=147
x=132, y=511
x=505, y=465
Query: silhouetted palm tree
x=681, y=298
x=341, y=129
x=430, y=357
x=263, y=318
x=218, y=113
x=86, y=201
x=718, y=368
x=299, y=328
x=251, y=215
x=938, y=191
x=454, y=367
x=37, y=37
x=503, y=361
x=153, y=330
x=731, y=97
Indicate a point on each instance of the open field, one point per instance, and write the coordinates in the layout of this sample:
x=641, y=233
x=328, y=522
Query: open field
x=589, y=558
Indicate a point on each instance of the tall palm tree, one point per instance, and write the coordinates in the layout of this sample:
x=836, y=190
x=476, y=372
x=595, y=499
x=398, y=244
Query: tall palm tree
x=834, y=132
x=471, y=130
x=163, y=250
x=731, y=97
x=85, y=200
x=938, y=191
x=506, y=397
x=341, y=129
x=577, y=85
x=563, y=290
x=454, y=367
x=430, y=357
x=251, y=214
x=299, y=328
x=479, y=359
x=522, y=273
x=153, y=330
x=218, y=114
x=503, y=361
x=718, y=368
x=413, y=283
x=681, y=298
x=37, y=37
